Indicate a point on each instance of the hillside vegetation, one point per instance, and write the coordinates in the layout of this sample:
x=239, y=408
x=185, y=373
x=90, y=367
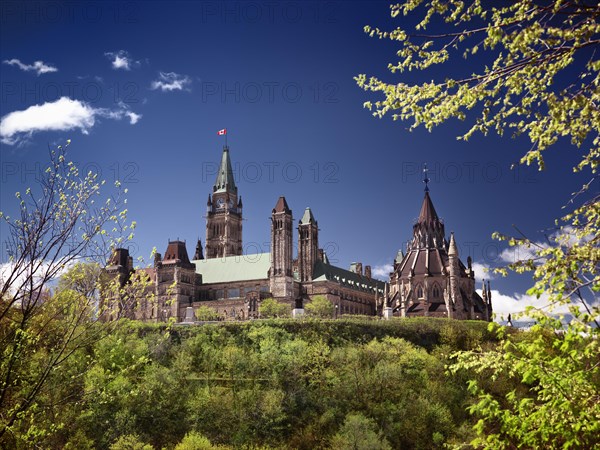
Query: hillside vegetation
x=278, y=383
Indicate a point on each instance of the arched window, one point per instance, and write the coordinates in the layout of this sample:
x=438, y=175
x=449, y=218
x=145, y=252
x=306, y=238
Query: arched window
x=420, y=291
x=436, y=291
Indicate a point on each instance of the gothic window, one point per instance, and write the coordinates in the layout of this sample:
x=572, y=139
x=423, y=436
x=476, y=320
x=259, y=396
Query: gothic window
x=436, y=291
x=420, y=291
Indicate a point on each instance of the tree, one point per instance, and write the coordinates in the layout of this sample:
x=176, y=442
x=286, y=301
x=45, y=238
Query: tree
x=206, y=313
x=196, y=441
x=359, y=433
x=536, y=74
x=270, y=308
x=320, y=307
x=58, y=225
x=130, y=442
x=530, y=48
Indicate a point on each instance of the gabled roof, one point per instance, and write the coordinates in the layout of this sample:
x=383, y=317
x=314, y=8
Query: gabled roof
x=225, y=181
x=234, y=268
x=307, y=217
x=326, y=272
x=282, y=206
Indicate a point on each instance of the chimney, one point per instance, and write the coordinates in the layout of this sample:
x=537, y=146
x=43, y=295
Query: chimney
x=359, y=268
x=368, y=272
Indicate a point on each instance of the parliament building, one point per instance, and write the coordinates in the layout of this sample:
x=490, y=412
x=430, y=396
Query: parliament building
x=429, y=280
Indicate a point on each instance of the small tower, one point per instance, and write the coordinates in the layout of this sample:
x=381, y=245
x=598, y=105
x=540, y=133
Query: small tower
x=490, y=309
x=308, y=245
x=224, y=214
x=198, y=254
x=120, y=267
x=175, y=282
x=456, y=307
x=280, y=273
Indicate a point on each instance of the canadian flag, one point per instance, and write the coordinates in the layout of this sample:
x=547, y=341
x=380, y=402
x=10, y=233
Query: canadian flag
x=222, y=132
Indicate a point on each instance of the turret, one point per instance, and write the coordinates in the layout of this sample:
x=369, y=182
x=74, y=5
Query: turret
x=281, y=250
x=484, y=292
x=308, y=245
x=198, y=254
x=175, y=281
x=224, y=214
x=454, y=272
x=428, y=231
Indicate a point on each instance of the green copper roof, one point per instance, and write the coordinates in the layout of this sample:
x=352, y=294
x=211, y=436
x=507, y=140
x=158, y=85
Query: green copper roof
x=307, y=217
x=234, y=268
x=225, y=181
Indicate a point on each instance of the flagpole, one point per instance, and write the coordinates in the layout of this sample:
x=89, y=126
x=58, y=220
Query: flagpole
x=226, y=138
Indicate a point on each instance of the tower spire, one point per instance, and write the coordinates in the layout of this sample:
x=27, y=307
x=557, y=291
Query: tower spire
x=426, y=179
x=225, y=181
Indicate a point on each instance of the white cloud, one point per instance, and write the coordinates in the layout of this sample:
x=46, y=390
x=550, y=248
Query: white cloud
x=383, y=271
x=121, y=60
x=483, y=271
x=519, y=253
x=171, y=81
x=61, y=115
x=38, y=66
x=35, y=272
x=566, y=236
x=133, y=117
x=504, y=305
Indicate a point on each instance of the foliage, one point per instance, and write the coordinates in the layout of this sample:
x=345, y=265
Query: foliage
x=359, y=433
x=320, y=306
x=262, y=384
x=560, y=407
x=538, y=76
x=524, y=82
x=45, y=336
x=195, y=441
x=558, y=364
x=130, y=442
x=271, y=308
x=207, y=314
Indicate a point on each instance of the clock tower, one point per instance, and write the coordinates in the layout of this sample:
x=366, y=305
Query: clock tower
x=224, y=214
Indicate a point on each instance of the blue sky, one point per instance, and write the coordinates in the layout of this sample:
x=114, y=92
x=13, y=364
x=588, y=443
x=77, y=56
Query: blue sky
x=147, y=85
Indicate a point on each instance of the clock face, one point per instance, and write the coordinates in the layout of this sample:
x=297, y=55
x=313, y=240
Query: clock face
x=230, y=204
x=220, y=203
